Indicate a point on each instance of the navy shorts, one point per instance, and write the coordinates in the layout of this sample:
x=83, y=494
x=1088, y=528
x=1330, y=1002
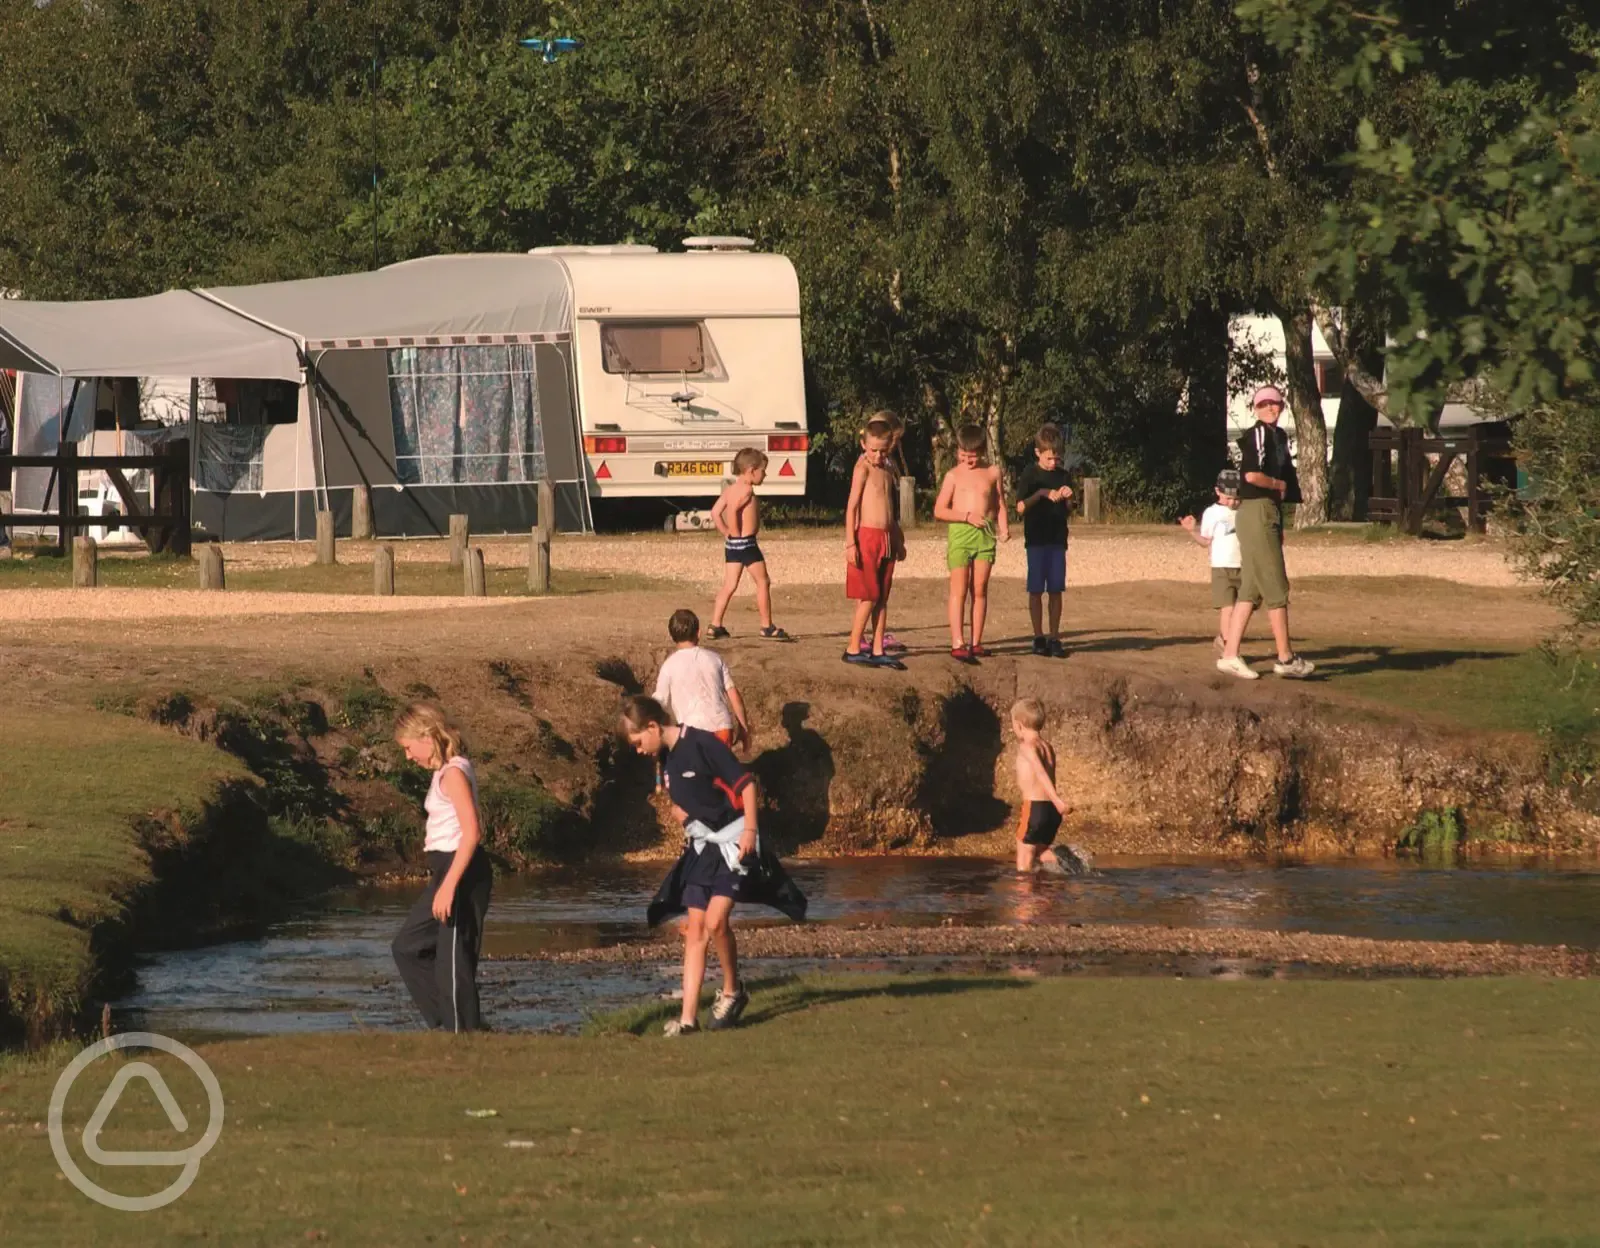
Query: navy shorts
x=1047, y=569
x=742, y=550
x=1044, y=821
x=707, y=875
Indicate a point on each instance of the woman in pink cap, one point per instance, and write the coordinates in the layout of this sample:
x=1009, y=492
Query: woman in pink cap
x=1267, y=478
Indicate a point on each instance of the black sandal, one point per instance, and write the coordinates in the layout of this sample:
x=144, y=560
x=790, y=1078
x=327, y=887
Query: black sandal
x=773, y=633
x=716, y=633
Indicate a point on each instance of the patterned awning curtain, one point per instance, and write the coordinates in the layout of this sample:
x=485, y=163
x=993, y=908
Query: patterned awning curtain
x=228, y=457
x=466, y=415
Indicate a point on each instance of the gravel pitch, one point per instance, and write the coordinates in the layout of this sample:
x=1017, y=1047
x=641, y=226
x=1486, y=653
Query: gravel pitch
x=808, y=557
x=1335, y=952
x=1094, y=558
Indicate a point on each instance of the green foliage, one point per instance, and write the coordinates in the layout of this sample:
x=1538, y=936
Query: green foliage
x=1055, y=232
x=366, y=707
x=296, y=787
x=1556, y=535
x=392, y=832
x=522, y=822
x=1475, y=225
x=122, y=703
x=1434, y=834
x=1569, y=722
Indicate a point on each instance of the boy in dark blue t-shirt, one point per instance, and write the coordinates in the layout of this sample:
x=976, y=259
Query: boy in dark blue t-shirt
x=1043, y=497
x=719, y=801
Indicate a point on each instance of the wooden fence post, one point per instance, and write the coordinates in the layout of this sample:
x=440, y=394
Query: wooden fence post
x=180, y=500
x=327, y=551
x=383, y=571
x=1093, y=508
x=474, y=584
x=547, y=508
x=66, y=496
x=361, y=514
x=459, y=534
x=85, y=563
x=908, y=502
x=211, y=571
x=539, y=562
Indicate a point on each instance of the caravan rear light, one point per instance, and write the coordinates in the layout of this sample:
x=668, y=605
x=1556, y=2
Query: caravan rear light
x=793, y=442
x=604, y=446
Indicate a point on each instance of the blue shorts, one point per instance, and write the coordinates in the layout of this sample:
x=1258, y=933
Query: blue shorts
x=1047, y=569
x=742, y=550
x=708, y=875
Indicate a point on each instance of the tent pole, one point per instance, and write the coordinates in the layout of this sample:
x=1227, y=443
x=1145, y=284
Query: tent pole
x=61, y=440
x=194, y=428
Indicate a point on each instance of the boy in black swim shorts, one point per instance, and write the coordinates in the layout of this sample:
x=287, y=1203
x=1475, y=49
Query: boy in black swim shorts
x=1042, y=807
x=737, y=515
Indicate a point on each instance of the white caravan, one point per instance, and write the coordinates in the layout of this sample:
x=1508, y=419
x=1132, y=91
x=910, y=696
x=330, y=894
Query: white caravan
x=681, y=360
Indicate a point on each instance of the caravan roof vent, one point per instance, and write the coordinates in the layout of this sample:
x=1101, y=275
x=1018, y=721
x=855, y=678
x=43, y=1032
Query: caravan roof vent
x=608, y=249
x=719, y=242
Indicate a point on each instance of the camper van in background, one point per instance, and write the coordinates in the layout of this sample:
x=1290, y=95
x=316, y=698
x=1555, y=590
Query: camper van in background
x=681, y=361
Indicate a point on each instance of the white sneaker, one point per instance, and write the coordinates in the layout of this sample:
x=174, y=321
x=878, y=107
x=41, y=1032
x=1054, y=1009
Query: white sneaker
x=1296, y=668
x=1237, y=667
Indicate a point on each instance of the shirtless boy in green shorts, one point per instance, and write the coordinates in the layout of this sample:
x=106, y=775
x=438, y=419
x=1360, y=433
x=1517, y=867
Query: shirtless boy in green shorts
x=969, y=501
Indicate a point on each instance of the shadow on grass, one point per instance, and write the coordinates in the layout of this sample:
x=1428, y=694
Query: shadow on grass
x=775, y=996
x=1356, y=660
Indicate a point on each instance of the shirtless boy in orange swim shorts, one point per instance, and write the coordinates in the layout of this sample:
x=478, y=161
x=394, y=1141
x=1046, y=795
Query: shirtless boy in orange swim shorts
x=873, y=544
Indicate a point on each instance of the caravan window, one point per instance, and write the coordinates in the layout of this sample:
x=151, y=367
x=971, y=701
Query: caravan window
x=656, y=347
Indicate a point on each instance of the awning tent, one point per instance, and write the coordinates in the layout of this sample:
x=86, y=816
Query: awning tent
x=493, y=298
x=443, y=385
x=177, y=333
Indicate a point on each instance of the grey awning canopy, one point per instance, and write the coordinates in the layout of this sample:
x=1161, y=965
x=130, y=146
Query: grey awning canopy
x=175, y=334
x=437, y=300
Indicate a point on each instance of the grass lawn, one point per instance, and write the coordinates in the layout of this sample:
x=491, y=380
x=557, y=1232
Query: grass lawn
x=870, y=1111
x=1491, y=691
x=73, y=786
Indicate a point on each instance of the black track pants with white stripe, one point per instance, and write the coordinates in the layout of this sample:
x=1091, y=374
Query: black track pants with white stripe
x=439, y=961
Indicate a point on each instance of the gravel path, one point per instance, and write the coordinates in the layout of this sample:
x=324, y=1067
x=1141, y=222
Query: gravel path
x=795, y=557
x=1339, y=952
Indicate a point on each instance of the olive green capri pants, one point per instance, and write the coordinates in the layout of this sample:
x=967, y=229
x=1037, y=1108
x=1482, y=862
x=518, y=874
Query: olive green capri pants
x=1263, y=580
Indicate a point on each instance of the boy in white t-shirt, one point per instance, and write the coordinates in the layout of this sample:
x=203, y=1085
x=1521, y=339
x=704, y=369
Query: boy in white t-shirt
x=1216, y=531
x=696, y=688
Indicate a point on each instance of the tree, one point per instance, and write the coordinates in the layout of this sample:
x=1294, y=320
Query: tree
x=1478, y=236
x=1475, y=232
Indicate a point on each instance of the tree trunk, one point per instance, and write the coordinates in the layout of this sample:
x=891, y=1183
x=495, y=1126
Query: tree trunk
x=1310, y=430
x=1350, y=483
x=1205, y=354
x=1350, y=478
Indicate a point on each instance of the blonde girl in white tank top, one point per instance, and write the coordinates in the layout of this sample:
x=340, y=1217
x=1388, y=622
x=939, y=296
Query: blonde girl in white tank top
x=437, y=948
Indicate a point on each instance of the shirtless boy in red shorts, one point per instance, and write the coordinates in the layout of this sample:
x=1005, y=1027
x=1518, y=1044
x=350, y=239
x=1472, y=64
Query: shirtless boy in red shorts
x=873, y=544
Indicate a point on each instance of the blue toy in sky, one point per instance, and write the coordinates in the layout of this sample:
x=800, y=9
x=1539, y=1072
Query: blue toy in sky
x=550, y=49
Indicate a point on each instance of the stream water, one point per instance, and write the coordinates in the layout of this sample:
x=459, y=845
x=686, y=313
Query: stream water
x=330, y=969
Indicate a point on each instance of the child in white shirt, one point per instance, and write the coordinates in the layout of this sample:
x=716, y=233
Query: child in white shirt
x=1216, y=531
x=696, y=688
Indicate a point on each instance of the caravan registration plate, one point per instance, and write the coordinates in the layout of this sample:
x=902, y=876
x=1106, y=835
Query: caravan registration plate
x=690, y=468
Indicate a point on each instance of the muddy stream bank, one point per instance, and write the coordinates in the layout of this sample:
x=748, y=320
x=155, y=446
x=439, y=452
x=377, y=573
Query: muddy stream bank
x=913, y=764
